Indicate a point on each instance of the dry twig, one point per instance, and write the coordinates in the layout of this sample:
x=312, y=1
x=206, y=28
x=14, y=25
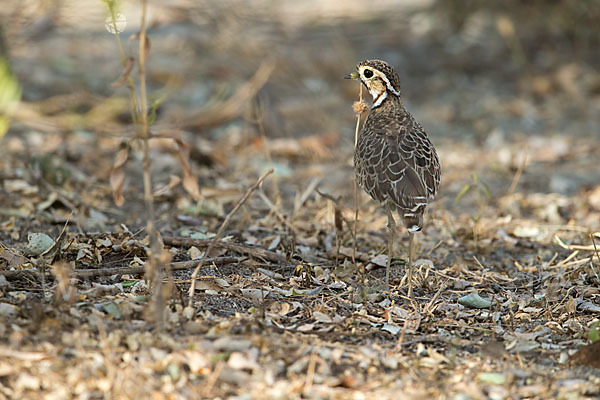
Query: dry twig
x=232, y=107
x=359, y=107
x=519, y=172
x=253, y=251
x=223, y=227
x=96, y=272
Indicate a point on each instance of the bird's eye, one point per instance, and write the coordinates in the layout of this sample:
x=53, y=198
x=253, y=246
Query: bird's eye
x=368, y=73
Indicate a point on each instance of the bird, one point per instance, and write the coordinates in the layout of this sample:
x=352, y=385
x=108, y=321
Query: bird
x=394, y=160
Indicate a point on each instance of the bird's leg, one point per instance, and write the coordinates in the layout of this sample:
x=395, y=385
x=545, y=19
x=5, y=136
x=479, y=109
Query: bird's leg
x=411, y=255
x=392, y=228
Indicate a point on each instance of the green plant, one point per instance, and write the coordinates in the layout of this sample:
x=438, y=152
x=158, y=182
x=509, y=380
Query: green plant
x=10, y=95
x=594, y=333
x=482, y=192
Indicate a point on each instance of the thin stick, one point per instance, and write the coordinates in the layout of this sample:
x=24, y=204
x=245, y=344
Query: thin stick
x=358, y=113
x=95, y=272
x=229, y=109
x=130, y=81
x=175, y=266
x=50, y=253
x=355, y=221
x=274, y=209
x=591, y=247
x=517, y=176
x=310, y=371
x=566, y=260
x=411, y=257
x=436, y=296
x=392, y=229
x=401, y=338
x=594, y=243
x=145, y=134
x=213, y=378
x=222, y=229
x=153, y=266
x=595, y=252
x=257, y=252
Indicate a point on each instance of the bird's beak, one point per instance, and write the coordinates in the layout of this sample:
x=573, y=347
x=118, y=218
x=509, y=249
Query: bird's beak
x=351, y=75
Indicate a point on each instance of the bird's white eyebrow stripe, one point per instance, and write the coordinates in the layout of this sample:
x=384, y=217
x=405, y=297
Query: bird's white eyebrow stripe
x=383, y=77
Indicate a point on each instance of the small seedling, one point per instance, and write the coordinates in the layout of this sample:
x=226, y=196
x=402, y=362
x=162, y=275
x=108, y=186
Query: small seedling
x=482, y=192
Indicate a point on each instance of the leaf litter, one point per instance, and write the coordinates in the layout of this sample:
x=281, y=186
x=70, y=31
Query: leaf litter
x=506, y=292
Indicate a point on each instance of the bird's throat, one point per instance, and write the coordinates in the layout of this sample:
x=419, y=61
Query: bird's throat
x=378, y=97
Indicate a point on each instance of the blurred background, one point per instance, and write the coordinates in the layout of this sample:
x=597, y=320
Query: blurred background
x=509, y=93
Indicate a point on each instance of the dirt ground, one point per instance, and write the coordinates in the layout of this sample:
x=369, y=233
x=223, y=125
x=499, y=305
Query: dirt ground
x=289, y=304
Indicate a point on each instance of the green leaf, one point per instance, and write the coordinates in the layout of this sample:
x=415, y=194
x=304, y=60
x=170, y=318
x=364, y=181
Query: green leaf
x=594, y=334
x=486, y=189
x=141, y=299
x=492, y=378
x=128, y=283
x=473, y=300
x=202, y=235
x=295, y=292
x=112, y=308
x=462, y=192
x=219, y=357
x=153, y=107
x=10, y=95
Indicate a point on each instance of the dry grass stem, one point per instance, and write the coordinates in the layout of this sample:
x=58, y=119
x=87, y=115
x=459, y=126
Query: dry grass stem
x=359, y=108
x=519, y=172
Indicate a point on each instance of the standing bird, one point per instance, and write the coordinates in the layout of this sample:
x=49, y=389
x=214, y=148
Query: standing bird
x=394, y=161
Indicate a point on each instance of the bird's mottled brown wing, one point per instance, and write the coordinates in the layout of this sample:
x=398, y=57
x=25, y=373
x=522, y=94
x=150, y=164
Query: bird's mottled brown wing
x=419, y=153
x=395, y=161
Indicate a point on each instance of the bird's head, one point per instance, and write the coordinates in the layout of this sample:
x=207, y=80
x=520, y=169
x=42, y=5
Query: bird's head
x=379, y=78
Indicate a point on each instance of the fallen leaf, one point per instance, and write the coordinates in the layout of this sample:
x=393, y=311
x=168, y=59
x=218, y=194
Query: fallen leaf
x=589, y=306
x=321, y=317
x=391, y=328
x=380, y=260
x=124, y=75
x=492, y=378
x=306, y=327
x=256, y=294
x=473, y=300
x=117, y=176
x=190, y=183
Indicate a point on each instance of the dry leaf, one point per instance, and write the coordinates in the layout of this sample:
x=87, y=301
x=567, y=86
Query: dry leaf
x=124, y=75
x=117, y=176
x=189, y=180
